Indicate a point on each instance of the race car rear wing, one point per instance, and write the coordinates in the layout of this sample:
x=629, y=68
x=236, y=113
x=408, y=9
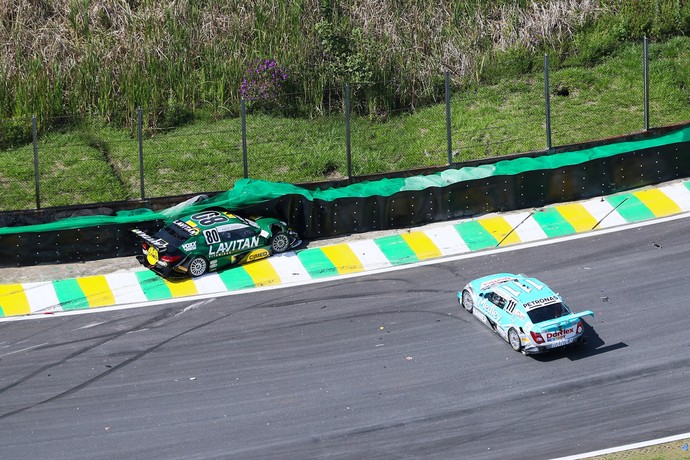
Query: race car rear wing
x=157, y=243
x=563, y=321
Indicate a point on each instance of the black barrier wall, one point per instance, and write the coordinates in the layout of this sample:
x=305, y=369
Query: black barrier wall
x=321, y=219
x=315, y=219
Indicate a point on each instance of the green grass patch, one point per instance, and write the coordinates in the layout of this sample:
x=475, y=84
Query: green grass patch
x=90, y=162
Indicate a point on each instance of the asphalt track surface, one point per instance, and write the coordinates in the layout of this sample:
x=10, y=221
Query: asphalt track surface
x=378, y=366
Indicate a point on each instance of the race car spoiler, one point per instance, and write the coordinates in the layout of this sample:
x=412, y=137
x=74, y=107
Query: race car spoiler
x=158, y=243
x=563, y=321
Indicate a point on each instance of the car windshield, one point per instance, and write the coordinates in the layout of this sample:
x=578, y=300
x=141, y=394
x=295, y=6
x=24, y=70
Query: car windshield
x=548, y=312
x=173, y=234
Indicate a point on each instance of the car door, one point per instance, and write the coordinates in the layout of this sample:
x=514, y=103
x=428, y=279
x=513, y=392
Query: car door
x=494, y=306
x=242, y=237
x=501, y=316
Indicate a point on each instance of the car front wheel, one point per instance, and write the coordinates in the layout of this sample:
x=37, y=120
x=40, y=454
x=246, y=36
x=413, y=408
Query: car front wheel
x=280, y=243
x=467, y=301
x=198, y=266
x=514, y=340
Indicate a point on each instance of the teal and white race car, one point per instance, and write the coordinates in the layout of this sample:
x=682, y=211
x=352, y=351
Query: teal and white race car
x=524, y=311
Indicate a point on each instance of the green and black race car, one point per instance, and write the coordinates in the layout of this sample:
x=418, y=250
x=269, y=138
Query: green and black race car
x=211, y=240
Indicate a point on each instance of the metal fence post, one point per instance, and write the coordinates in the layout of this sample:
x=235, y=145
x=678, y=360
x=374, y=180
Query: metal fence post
x=140, y=137
x=646, y=83
x=547, y=101
x=448, y=135
x=243, y=116
x=34, y=133
x=348, y=145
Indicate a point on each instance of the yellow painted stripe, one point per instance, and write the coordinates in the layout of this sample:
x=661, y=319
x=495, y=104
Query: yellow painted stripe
x=657, y=202
x=422, y=245
x=262, y=273
x=499, y=228
x=343, y=258
x=13, y=300
x=182, y=288
x=577, y=216
x=96, y=290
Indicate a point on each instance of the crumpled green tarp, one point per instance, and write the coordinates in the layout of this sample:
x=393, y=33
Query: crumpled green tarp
x=248, y=192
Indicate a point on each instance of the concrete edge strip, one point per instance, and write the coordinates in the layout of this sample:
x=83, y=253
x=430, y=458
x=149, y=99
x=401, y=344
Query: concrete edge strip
x=637, y=445
x=358, y=256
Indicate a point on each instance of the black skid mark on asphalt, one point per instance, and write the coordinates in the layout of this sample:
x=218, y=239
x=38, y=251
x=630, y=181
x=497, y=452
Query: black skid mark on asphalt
x=128, y=361
x=105, y=339
x=312, y=298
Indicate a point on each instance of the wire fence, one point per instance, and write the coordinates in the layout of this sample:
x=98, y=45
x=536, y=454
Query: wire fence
x=103, y=164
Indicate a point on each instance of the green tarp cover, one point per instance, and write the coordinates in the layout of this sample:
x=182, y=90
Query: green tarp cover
x=248, y=192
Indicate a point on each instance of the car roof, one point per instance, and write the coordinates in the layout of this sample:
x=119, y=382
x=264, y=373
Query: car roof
x=528, y=292
x=232, y=221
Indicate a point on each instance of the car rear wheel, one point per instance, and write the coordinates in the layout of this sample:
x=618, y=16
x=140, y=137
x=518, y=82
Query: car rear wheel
x=467, y=301
x=280, y=243
x=198, y=266
x=514, y=340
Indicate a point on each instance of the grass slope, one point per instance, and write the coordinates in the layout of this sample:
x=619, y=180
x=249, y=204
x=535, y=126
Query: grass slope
x=94, y=163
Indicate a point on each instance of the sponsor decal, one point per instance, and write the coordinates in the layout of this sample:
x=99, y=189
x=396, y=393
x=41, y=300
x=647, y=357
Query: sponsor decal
x=158, y=242
x=494, y=282
x=152, y=255
x=258, y=254
x=558, y=335
x=541, y=302
x=186, y=227
x=492, y=310
x=229, y=227
x=189, y=246
x=479, y=315
x=223, y=249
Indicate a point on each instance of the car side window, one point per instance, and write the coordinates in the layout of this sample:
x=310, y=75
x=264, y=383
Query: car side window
x=497, y=300
x=238, y=234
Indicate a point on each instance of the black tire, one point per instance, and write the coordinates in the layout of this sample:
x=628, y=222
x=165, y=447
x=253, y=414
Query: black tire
x=514, y=340
x=198, y=266
x=467, y=302
x=280, y=242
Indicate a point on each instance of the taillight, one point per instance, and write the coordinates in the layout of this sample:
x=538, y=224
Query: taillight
x=580, y=327
x=537, y=337
x=170, y=259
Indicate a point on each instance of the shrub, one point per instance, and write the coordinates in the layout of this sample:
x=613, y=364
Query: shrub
x=14, y=132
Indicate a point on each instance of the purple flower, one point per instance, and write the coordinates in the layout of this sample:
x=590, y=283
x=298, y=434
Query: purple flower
x=263, y=81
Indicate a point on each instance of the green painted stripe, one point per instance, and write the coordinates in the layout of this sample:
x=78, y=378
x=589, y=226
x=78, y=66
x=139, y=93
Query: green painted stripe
x=475, y=235
x=687, y=185
x=70, y=295
x=553, y=223
x=236, y=278
x=153, y=286
x=630, y=207
x=317, y=264
x=396, y=250
x=2, y=313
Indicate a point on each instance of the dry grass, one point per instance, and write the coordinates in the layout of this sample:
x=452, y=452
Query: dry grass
x=109, y=56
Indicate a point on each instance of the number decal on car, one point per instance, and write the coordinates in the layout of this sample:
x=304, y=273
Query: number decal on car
x=212, y=236
x=207, y=218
